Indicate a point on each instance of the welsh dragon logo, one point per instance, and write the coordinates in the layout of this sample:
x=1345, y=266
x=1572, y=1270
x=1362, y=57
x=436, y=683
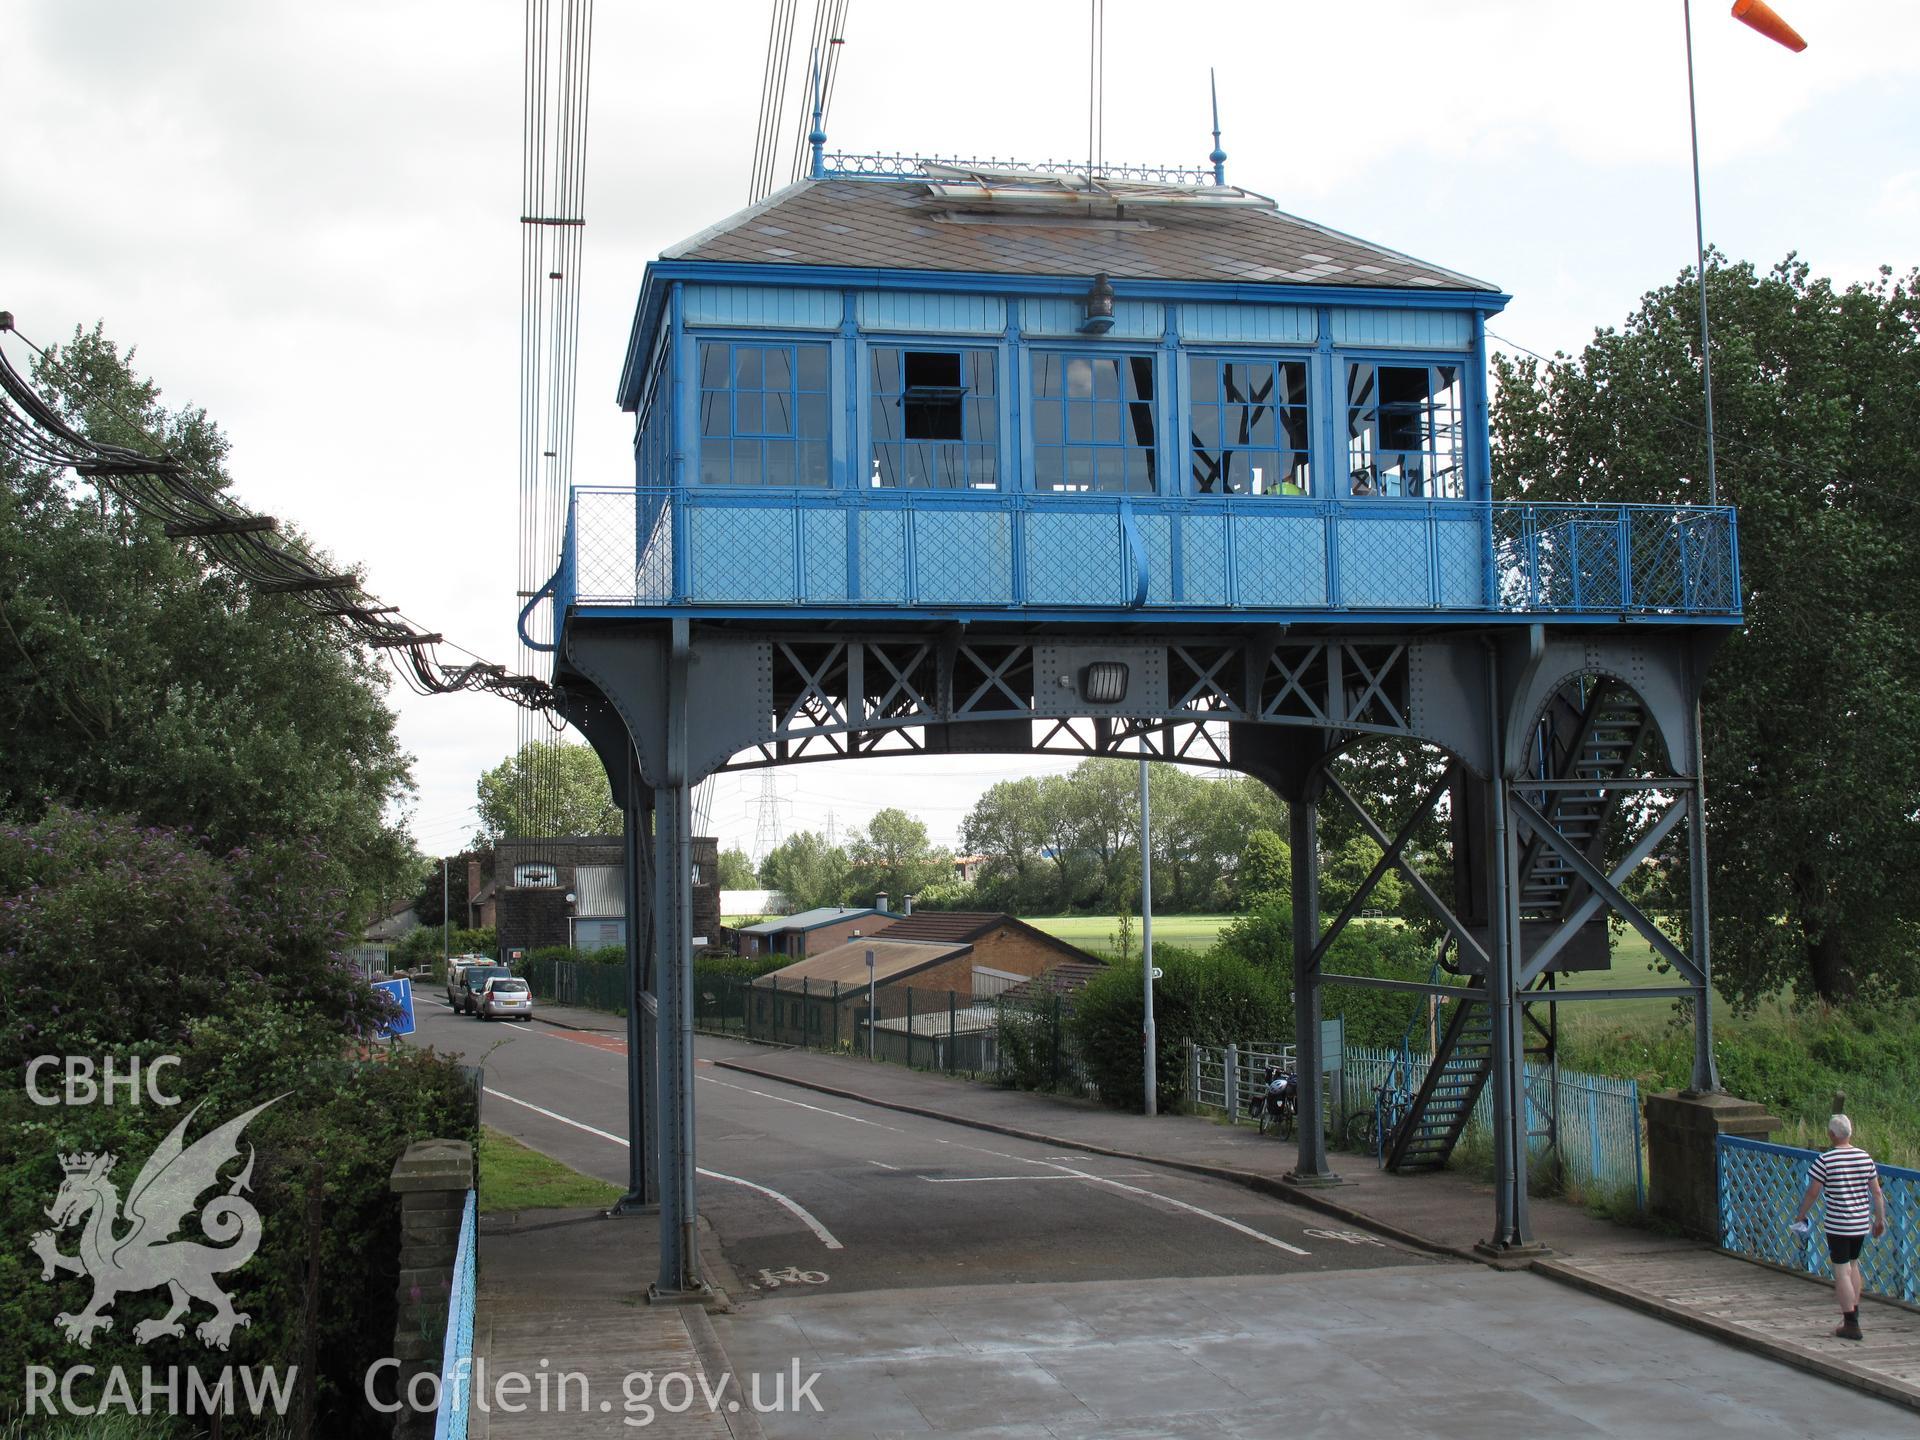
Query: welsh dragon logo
x=144, y=1255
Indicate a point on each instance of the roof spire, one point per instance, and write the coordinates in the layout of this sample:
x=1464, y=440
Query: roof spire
x=1219, y=156
x=817, y=137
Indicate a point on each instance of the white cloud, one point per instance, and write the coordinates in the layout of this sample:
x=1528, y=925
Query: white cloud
x=305, y=216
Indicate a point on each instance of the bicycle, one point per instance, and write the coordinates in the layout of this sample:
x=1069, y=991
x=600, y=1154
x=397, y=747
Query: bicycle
x=1372, y=1129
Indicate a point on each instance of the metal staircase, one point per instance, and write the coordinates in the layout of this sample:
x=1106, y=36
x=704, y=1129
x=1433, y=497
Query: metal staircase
x=1598, y=740
x=1426, y=1137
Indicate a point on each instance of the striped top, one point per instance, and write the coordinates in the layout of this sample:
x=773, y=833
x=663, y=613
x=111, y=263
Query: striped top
x=1846, y=1176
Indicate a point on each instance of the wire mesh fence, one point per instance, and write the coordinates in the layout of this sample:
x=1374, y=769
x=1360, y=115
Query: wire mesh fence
x=1590, y=1124
x=1760, y=1189
x=1015, y=1038
x=570, y=982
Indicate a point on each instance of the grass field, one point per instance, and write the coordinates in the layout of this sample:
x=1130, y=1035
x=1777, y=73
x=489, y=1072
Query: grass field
x=512, y=1177
x=1097, y=932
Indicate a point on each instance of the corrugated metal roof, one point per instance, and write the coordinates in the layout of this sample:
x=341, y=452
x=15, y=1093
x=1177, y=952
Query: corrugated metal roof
x=597, y=892
x=808, y=919
x=847, y=964
x=900, y=225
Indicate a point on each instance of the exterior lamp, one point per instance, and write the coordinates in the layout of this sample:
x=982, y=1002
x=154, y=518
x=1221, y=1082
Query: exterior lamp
x=1099, y=303
x=1104, y=682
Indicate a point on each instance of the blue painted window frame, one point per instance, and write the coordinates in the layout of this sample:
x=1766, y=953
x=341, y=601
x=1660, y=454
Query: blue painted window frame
x=996, y=405
x=1468, y=461
x=767, y=341
x=1157, y=400
x=1191, y=404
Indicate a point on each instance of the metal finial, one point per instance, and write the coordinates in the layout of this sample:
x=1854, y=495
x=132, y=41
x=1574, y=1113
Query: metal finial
x=817, y=137
x=1219, y=156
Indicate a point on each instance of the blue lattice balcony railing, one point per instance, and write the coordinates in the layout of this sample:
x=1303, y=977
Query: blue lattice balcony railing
x=1760, y=1189
x=965, y=553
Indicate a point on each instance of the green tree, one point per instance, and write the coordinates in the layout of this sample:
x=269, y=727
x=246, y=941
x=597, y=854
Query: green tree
x=1812, y=712
x=807, y=871
x=139, y=677
x=547, y=787
x=1265, y=871
x=893, y=855
x=736, y=870
x=1008, y=824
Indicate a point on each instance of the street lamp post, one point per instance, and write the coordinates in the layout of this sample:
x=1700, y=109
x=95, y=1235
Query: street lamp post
x=1147, y=1037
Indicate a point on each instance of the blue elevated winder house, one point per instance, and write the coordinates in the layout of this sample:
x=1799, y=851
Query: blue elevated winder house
x=937, y=457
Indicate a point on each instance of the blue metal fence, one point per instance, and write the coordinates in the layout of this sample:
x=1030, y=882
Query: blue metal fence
x=456, y=1360
x=1592, y=1120
x=1760, y=1189
x=962, y=550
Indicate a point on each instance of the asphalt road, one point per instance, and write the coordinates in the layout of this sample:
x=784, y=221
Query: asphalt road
x=805, y=1190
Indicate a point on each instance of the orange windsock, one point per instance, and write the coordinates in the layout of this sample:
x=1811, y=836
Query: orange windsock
x=1760, y=16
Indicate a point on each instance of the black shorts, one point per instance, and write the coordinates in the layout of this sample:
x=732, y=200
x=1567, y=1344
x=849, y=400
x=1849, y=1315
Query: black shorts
x=1844, y=1249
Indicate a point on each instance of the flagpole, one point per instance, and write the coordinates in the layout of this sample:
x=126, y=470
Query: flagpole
x=1700, y=252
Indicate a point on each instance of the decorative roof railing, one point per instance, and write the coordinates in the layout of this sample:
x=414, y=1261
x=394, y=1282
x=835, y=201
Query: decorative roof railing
x=915, y=167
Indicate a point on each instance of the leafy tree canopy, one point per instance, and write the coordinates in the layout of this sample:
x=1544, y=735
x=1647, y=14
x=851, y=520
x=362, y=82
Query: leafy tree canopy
x=547, y=788
x=137, y=677
x=806, y=870
x=736, y=870
x=1812, y=712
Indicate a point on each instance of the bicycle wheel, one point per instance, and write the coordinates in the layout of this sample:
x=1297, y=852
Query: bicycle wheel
x=1360, y=1130
x=1284, y=1123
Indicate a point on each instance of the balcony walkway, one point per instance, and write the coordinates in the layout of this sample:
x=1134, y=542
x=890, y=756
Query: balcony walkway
x=1121, y=557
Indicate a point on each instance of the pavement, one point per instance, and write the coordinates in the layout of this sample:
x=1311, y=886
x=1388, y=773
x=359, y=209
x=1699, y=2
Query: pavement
x=1787, y=1318
x=1013, y=1264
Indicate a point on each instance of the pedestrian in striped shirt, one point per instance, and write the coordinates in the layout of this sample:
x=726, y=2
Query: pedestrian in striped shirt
x=1846, y=1175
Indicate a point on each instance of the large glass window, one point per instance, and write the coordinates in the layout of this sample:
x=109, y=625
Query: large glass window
x=1249, y=426
x=763, y=413
x=1404, y=431
x=935, y=419
x=1093, y=425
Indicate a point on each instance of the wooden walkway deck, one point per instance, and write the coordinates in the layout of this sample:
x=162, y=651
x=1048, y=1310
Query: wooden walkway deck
x=1788, y=1317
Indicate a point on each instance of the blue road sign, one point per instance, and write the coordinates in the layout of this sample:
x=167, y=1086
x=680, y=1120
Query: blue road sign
x=401, y=991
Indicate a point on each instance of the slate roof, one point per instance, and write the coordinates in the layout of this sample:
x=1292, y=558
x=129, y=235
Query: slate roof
x=901, y=225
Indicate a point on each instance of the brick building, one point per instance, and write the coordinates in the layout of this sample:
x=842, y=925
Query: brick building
x=572, y=891
x=935, y=973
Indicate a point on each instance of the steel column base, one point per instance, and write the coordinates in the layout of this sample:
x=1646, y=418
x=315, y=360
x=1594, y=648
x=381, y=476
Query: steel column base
x=630, y=1204
x=1310, y=1180
x=1517, y=1256
x=702, y=1294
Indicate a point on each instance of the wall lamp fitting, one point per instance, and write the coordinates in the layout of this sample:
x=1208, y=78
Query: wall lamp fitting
x=1099, y=303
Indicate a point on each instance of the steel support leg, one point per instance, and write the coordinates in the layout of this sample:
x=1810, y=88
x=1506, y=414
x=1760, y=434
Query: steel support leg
x=1706, y=1074
x=1511, y=1223
x=673, y=969
x=1302, y=817
x=642, y=1087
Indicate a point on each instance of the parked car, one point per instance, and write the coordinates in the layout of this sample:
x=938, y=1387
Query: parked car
x=506, y=997
x=456, y=965
x=473, y=980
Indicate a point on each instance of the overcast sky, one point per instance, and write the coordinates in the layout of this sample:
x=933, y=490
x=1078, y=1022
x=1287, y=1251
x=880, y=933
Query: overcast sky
x=305, y=217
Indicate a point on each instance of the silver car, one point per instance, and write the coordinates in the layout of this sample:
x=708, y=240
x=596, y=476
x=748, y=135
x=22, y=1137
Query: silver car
x=506, y=998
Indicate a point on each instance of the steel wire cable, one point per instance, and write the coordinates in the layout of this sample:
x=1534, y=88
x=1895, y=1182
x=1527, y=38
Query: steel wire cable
x=158, y=486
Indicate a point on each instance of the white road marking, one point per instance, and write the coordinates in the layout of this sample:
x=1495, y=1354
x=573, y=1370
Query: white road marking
x=883, y=1165
x=800, y=1211
x=800, y=1104
x=1205, y=1214
x=984, y=1179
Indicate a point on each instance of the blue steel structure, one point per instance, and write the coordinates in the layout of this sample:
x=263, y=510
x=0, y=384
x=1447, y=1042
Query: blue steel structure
x=936, y=456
